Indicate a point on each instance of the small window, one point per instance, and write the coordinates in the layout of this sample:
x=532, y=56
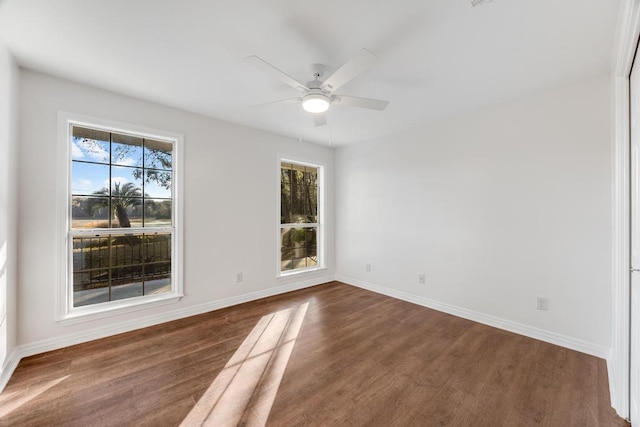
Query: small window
x=122, y=215
x=300, y=228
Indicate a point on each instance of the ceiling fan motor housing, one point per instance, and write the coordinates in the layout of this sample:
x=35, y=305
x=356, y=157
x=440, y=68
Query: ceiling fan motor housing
x=316, y=101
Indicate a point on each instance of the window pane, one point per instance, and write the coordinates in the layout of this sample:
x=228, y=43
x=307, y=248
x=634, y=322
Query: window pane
x=158, y=275
x=157, y=213
x=90, y=253
x=126, y=150
x=126, y=198
x=91, y=287
x=285, y=195
x=158, y=154
x=126, y=282
x=89, y=178
x=89, y=212
x=88, y=133
x=112, y=267
x=299, y=248
x=157, y=183
x=157, y=248
x=299, y=194
x=90, y=145
x=154, y=285
x=91, y=279
x=123, y=175
x=126, y=212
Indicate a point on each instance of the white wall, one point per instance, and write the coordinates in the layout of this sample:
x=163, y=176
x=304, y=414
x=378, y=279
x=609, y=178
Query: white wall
x=8, y=199
x=230, y=204
x=496, y=207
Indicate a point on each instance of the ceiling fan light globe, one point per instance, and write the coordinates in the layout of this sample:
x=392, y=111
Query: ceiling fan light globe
x=315, y=103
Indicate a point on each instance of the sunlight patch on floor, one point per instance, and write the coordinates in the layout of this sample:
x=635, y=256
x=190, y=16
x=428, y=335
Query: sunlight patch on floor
x=9, y=402
x=243, y=393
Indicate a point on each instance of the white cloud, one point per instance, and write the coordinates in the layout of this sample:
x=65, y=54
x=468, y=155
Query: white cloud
x=76, y=152
x=93, y=150
x=127, y=161
x=82, y=184
x=116, y=179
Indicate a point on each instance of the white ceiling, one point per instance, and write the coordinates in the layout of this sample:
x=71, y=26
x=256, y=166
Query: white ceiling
x=436, y=58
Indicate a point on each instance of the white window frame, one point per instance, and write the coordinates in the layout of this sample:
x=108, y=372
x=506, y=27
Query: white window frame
x=66, y=313
x=320, y=225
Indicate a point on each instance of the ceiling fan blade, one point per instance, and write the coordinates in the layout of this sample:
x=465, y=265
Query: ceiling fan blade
x=277, y=73
x=349, y=70
x=281, y=101
x=354, y=101
x=319, y=119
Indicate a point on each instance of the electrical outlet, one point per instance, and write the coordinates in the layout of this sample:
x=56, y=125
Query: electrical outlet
x=421, y=279
x=239, y=277
x=367, y=268
x=543, y=304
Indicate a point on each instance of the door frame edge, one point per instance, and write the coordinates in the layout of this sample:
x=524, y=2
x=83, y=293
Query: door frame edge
x=628, y=32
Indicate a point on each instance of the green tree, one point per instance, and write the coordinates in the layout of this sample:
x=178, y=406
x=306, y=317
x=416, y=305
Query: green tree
x=122, y=197
x=160, y=163
x=285, y=196
x=157, y=163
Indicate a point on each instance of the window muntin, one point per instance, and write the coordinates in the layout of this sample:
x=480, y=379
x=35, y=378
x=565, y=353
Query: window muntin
x=299, y=217
x=122, y=216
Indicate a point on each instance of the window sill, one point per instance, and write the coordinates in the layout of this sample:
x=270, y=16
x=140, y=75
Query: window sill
x=299, y=272
x=105, y=310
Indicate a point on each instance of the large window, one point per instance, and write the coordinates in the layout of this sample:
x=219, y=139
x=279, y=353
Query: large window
x=121, y=219
x=300, y=233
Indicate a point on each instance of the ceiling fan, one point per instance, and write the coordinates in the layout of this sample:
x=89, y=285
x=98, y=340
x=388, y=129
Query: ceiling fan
x=319, y=94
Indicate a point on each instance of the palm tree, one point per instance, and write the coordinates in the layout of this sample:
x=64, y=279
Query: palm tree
x=122, y=197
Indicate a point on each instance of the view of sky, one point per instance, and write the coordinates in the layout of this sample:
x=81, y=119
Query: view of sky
x=87, y=178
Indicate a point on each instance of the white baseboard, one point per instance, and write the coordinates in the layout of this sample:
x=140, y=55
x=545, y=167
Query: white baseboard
x=55, y=343
x=10, y=365
x=146, y=321
x=497, y=322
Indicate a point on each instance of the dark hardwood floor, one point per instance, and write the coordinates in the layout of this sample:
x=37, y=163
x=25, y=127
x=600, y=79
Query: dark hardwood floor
x=356, y=358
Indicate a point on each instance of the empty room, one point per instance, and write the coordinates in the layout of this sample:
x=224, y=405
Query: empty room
x=368, y=213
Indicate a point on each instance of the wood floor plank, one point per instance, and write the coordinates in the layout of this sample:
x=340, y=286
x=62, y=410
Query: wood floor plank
x=359, y=359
